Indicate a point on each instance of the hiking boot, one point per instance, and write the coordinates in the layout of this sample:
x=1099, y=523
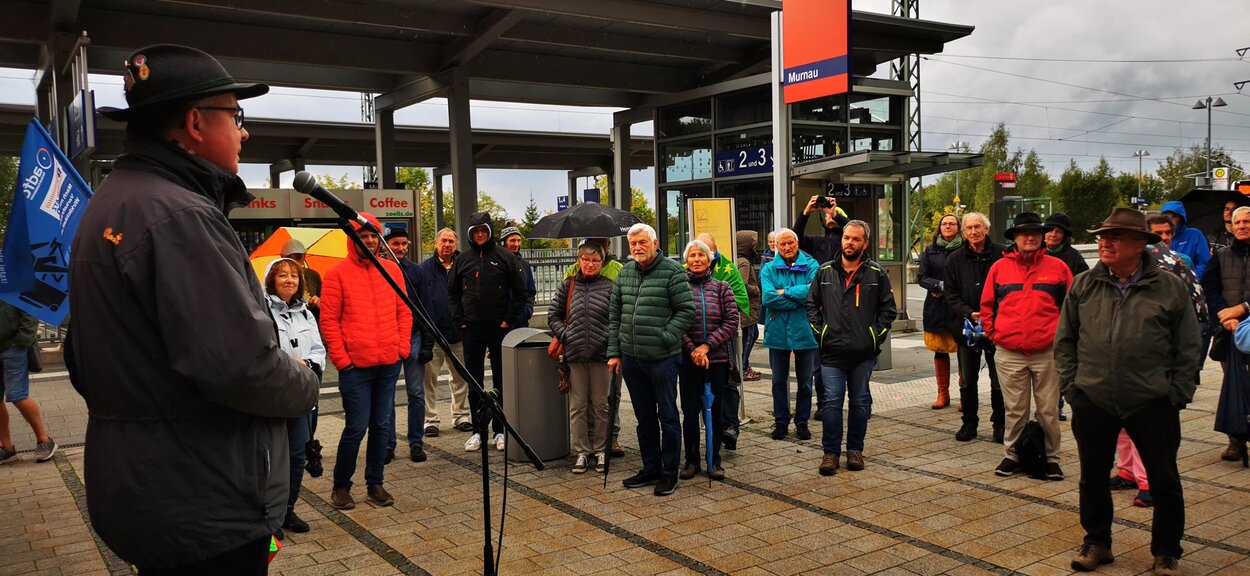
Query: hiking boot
x=998, y=433
x=829, y=464
x=474, y=443
x=751, y=375
x=1166, y=565
x=801, y=431
x=379, y=496
x=690, y=470
x=601, y=462
x=390, y=456
x=966, y=432
x=716, y=473
x=416, y=454
x=1143, y=499
x=640, y=479
x=1053, y=471
x=431, y=431
x=854, y=460
x=1119, y=483
x=579, y=466
x=1092, y=556
x=780, y=431
x=667, y=485
x=293, y=522
x=342, y=499
x=1007, y=467
x=616, y=451
x=7, y=455
x=44, y=451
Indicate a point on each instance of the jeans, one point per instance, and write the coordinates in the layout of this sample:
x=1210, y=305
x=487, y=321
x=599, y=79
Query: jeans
x=653, y=389
x=1156, y=431
x=852, y=384
x=779, y=360
x=414, y=385
x=476, y=343
x=299, y=431
x=970, y=371
x=691, y=386
x=368, y=399
x=16, y=384
x=750, y=335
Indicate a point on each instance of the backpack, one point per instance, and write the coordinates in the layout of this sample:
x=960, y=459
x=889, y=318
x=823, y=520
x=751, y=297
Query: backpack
x=1031, y=450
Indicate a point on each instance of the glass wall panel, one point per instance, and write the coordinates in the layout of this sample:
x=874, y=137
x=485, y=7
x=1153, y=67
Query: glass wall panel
x=753, y=207
x=827, y=109
x=688, y=160
x=872, y=109
x=815, y=142
x=673, y=236
x=745, y=107
x=880, y=140
x=889, y=223
x=685, y=119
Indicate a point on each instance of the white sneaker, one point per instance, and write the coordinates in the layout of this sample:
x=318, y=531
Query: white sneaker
x=601, y=462
x=579, y=467
x=474, y=443
x=499, y=441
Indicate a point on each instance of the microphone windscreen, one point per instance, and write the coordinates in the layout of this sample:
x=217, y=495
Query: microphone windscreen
x=304, y=182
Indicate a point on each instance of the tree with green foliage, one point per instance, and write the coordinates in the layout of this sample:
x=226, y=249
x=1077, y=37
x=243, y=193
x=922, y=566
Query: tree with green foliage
x=1177, y=171
x=994, y=149
x=342, y=183
x=532, y=216
x=638, y=204
x=8, y=180
x=1087, y=196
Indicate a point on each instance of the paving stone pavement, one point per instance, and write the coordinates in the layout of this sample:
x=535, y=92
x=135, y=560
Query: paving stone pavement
x=926, y=504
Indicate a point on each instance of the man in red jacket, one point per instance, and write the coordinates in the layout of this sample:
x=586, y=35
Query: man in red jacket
x=366, y=328
x=1019, y=312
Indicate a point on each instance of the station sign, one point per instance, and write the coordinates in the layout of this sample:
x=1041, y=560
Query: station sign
x=269, y=203
x=816, y=48
x=389, y=203
x=562, y=203
x=749, y=160
x=304, y=206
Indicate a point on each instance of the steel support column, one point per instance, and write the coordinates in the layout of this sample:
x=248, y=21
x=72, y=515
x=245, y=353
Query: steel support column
x=463, y=171
x=621, y=197
x=437, y=175
x=384, y=137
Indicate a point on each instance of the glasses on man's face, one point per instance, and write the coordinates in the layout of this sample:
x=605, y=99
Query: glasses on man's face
x=238, y=113
x=1114, y=240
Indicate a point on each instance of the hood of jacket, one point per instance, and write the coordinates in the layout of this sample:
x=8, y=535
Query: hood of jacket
x=479, y=219
x=170, y=161
x=802, y=263
x=352, y=255
x=1179, y=208
x=746, y=241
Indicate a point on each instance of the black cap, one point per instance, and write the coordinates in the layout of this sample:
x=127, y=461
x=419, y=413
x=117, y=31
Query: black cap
x=166, y=73
x=396, y=233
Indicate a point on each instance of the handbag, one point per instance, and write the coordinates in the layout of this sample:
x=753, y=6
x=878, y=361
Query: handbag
x=34, y=358
x=556, y=348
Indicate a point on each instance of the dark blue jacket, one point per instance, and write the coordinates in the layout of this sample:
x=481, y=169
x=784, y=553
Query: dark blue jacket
x=432, y=291
x=527, y=310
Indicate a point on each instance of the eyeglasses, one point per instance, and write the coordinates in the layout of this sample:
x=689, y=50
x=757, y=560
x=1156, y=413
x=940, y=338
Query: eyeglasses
x=1116, y=240
x=588, y=260
x=238, y=113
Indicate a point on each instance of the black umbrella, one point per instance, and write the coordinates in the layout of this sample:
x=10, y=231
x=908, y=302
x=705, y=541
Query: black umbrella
x=1204, y=209
x=586, y=220
x=612, y=410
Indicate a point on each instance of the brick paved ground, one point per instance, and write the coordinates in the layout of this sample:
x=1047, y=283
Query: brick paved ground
x=925, y=504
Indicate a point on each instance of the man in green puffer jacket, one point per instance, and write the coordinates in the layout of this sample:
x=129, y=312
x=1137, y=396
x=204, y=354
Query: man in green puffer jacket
x=651, y=308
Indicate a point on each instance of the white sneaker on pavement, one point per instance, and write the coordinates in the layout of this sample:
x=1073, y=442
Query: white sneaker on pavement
x=500, y=440
x=474, y=443
x=601, y=462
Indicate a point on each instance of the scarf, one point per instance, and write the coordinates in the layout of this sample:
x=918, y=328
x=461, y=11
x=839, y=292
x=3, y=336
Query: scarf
x=951, y=244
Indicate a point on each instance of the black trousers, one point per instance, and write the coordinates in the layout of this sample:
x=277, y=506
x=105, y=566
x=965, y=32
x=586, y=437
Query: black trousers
x=477, y=343
x=970, y=372
x=251, y=559
x=1156, y=431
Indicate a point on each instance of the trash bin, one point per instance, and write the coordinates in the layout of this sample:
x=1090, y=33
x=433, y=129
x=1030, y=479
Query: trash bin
x=532, y=400
x=885, y=360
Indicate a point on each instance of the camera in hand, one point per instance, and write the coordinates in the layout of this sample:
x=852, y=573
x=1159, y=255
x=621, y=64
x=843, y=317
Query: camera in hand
x=823, y=202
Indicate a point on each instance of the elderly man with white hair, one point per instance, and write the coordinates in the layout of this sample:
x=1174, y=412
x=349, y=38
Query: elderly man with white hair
x=784, y=285
x=651, y=309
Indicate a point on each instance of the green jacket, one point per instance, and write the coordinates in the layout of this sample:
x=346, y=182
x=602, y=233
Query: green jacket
x=1124, y=351
x=727, y=272
x=649, y=311
x=17, y=328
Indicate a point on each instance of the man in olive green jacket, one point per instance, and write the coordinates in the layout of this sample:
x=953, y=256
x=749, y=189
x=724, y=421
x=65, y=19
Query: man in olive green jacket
x=651, y=308
x=1126, y=350
x=17, y=334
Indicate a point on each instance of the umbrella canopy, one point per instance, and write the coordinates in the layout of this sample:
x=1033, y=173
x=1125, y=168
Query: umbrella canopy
x=324, y=247
x=1205, y=208
x=585, y=220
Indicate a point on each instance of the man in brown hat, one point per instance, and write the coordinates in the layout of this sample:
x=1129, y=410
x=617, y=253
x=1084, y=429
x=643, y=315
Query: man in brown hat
x=1127, y=354
x=172, y=347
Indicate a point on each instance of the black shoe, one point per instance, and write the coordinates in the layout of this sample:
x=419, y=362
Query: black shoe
x=390, y=456
x=1063, y=417
x=818, y=415
x=998, y=433
x=431, y=431
x=1053, y=472
x=667, y=485
x=801, y=431
x=312, y=453
x=1007, y=467
x=640, y=479
x=294, y=523
x=416, y=454
x=729, y=439
x=280, y=535
x=780, y=431
x=690, y=470
x=966, y=432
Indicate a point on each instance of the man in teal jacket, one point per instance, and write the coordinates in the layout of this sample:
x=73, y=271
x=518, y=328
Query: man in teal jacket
x=651, y=308
x=784, y=284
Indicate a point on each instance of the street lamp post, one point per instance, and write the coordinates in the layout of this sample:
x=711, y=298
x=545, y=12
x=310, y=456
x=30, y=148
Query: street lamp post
x=1141, y=154
x=1208, y=103
x=958, y=146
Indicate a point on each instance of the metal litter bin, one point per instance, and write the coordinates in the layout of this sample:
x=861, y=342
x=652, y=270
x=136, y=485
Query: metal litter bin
x=532, y=400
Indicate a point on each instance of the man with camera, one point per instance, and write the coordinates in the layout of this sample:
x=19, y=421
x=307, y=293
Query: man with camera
x=823, y=248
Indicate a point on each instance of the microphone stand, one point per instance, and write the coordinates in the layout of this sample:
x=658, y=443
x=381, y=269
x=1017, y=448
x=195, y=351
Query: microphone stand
x=488, y=403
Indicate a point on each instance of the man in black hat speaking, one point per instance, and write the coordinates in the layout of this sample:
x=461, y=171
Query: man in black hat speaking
x=1127, y=354
x=172, y=346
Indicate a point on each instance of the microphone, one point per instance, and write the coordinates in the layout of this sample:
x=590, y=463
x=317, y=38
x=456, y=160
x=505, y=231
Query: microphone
x=306, y=184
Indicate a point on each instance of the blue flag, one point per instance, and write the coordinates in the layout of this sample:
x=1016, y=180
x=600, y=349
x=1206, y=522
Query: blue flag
x=48, y=202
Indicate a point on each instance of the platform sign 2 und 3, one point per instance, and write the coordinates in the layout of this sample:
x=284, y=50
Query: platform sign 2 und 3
x=816, y=48
x=742, y=161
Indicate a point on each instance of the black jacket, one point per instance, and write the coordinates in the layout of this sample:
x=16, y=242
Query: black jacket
x=414, y=277
x=177, y=357
x=487, y=284
x=965, y=277
x=938, y=316
x=583, y=326
x=822, y=248
x=851, y=312
x=1072, y=257
x=432, y=290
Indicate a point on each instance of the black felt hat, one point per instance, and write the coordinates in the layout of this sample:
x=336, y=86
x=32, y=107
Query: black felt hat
x=1024, y=222
x=166, y=73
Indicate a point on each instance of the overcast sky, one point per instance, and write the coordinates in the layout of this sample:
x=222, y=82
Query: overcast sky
x=1075, y=109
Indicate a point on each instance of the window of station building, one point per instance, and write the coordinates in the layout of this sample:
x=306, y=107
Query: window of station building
x=826, y=109
x=753, y=207
x=873, y=109
x=685, y=119
x=889, y=224
x=687, y=160
x=877, y=140
x=673, y=222
x=753, y=106
x=812, y=142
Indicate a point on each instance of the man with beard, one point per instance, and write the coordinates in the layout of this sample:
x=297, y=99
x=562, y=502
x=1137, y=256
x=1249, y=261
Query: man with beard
x=823, y=248
x=850, y=307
